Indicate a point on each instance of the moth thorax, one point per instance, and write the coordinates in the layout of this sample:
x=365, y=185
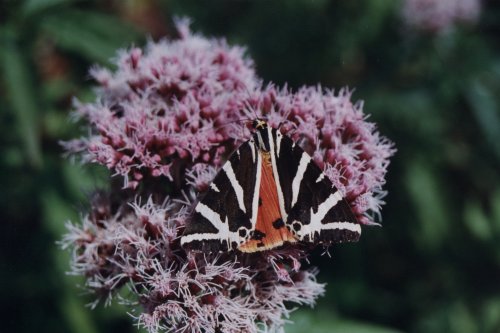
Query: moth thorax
x=266, y=158
x=262, y=139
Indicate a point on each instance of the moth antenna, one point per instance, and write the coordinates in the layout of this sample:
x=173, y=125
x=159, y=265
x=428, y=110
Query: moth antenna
x=287, y=114
x=280, y=124
x=250, y=111
x=249, y=107
x=229, y=123
x=285, y=119
x=234, y=129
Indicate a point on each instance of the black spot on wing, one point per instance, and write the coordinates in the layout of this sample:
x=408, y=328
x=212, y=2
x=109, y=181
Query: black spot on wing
x=297, y=226
x=258, y=235
x=278, y=224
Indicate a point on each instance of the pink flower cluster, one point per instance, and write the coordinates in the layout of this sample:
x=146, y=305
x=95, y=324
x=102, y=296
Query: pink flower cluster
x=177, y=291
x=170, y=115
x=440, y=15
x=165, y=108
x=334, y=131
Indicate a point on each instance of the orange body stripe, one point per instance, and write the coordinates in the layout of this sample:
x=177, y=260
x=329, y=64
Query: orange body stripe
x=270, y=223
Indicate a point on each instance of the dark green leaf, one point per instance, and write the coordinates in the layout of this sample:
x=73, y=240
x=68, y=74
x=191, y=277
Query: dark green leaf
x=476, y=220
x=485, y=107
x=495, y=202
x=427, y=197
x=93, y=36
x=306, y=321
x=33, y=6
x=19, y=83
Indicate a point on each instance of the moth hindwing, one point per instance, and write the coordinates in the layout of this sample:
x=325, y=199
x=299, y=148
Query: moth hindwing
x=268, y=193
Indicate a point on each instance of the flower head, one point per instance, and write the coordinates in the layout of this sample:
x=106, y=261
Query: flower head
x=165, y=108
x=172, y=113
x=334, y=131
x=179, y=291
x=440, y=15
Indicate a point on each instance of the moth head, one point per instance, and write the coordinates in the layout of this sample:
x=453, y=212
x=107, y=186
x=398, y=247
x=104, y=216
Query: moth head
x=259, y=124
x=261, y=135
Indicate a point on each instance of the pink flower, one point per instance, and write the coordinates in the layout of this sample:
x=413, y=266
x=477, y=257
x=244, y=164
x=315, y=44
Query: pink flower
x=165, y=121
x=440, y=15
x=334, y=131
x=165, y=108
x=179, y=292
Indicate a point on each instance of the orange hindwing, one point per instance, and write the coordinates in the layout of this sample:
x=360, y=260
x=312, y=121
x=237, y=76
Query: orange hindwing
x=270, y=230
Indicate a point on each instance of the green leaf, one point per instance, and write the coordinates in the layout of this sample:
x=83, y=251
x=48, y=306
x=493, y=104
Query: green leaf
x=461, y=319
x=476, y=220
x=491, y=315
x=495, y=203
x=452, y=316
x=94, y=36
x=33, y=6
x=56, y=212
x=485, y=109
x=19, y=83
x=107, y=26
x=426, y=194
x=55, y=90
x=83, y=180
x=305, y=321
x=77, y=315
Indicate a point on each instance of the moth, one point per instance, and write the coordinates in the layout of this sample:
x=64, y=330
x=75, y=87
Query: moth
x=270, y=192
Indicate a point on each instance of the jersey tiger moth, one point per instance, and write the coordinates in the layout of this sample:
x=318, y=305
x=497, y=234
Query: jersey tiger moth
x=268, y=193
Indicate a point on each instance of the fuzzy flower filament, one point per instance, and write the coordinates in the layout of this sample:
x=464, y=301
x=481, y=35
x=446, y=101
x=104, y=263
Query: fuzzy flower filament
x=164, y=121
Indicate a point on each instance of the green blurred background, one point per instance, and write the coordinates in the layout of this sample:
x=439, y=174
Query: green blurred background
x=435, y=264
